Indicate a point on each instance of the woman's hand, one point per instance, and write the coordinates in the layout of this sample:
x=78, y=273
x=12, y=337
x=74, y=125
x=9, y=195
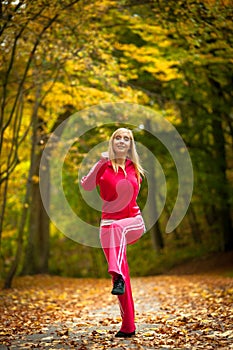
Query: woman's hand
x=104, y=155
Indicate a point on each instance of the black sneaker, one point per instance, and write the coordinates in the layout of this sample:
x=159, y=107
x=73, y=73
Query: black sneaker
x=118, y=286
x=124, y=335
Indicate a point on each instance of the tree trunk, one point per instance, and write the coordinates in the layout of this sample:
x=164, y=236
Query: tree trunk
x=37, y=251
x=27, y=201
x=156, y=233
x=168, y=214
x=36, y=259
x=194, y=225
x=222, y=193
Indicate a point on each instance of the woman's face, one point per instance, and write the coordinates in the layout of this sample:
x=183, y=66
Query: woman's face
x=121, y=144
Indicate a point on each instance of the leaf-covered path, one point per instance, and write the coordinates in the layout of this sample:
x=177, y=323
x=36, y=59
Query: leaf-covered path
x=172, y=312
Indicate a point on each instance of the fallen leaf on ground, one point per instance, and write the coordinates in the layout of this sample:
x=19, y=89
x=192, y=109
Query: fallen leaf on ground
x=50, y=312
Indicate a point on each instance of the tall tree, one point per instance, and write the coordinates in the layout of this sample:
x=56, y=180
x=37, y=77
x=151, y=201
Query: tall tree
x=156, y=234
x=20, y=39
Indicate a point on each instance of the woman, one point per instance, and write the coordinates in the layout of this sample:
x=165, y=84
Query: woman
x=118, y=175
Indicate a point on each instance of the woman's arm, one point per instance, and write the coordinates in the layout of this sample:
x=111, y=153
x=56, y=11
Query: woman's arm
x=90, y=181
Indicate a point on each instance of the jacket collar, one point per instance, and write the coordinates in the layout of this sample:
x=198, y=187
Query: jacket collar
x=127, y=162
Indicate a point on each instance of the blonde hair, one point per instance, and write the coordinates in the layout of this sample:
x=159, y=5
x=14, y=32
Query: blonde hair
x=132, y=153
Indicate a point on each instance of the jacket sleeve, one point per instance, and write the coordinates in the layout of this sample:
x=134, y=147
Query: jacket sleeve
x=90, y=181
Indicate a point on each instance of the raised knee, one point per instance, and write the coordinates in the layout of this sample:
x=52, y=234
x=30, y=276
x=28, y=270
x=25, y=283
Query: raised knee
x=116, y=226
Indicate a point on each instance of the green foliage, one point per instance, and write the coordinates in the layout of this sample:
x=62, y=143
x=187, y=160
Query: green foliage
x=68, y=258
x=174, y=57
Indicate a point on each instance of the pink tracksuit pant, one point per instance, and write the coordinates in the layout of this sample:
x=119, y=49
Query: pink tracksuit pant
x=114, y=239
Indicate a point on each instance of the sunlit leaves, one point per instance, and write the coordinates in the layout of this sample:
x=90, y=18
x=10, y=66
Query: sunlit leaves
x=172, y=312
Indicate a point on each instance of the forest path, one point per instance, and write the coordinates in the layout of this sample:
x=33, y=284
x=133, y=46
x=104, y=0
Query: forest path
x=172, y=312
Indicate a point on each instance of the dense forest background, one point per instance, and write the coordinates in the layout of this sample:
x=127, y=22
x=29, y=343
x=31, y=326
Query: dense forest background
x=61, y=57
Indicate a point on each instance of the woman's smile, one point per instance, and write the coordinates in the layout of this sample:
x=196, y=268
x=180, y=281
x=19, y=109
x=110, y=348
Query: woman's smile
x=121, y=143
